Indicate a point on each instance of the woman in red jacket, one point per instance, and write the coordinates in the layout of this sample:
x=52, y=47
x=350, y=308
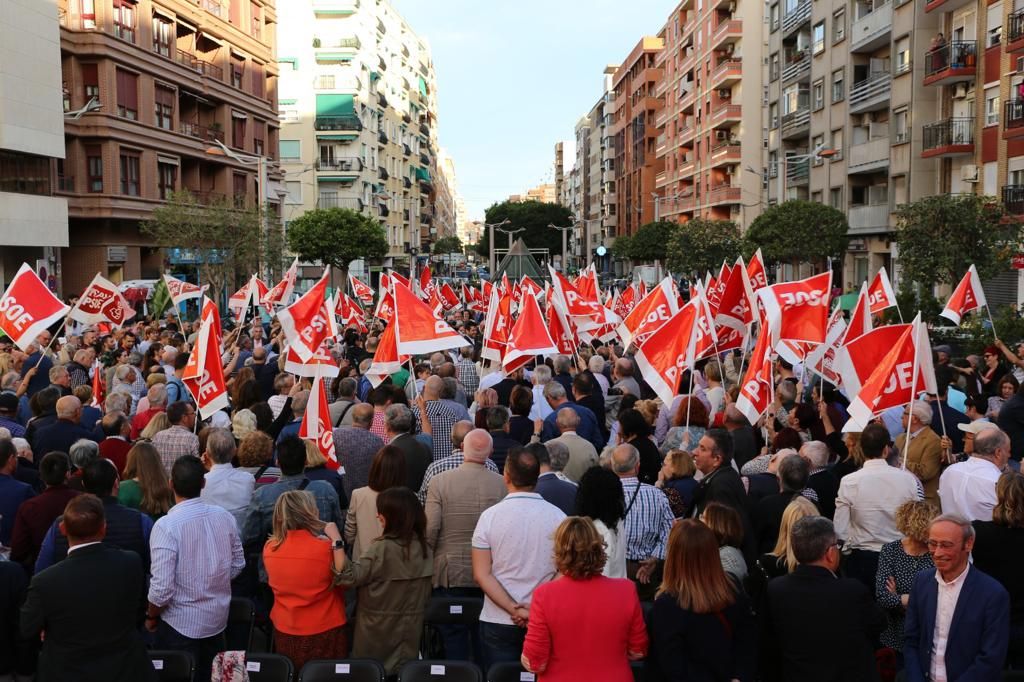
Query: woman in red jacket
x=583, y=625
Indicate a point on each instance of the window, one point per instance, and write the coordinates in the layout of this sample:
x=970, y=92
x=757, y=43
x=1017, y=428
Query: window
x=256, y=21
x=290, y=149
x=26, y=174
x=94, y=167
x=838, y=87
x=899, y=126
x=124, y=19
x=325, y=82
x=817, y=142
x=237, y=130
x=773, y=115
x=257, y=137
x=818, y=37
x=237, y=70
x=235, y=12
x=257, y=80
x=288, y=115
x=238, y=189
x=773, y=14
x=818, y=94
x=835, y=198
x=90, y=81
x=992, y=106
x=164, y=108
x=162, y=35
x=994, y=23
x=903, y=55
x=166, y=175
x=127, y=95
x=87, y=11
x=837, y=144
x=129, y=173
x=294, y=189
x=816, y=197
x=773, y=69
x=839, y=26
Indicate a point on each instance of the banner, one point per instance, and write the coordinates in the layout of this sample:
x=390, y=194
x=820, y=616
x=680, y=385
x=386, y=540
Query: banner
x=361, y=291
x=309, y=321
x=181, y=291
x=528, y=338
x=102, y=302
x=417, y=330
x=798, y=311
x=28, y=307
x=282, y=291
x=968, y=296
x=757, y=389
x=204, y=373
x=880, y=293
x=316, y=423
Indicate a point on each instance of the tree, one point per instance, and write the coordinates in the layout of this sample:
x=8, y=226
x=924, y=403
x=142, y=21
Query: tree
x=939, y=237
x=450, y=244
x=700, y=245
x=534, y=217
x=649, y=241
x=798, y=231
x=336, y=237
x=622, y=247
x=227, y=242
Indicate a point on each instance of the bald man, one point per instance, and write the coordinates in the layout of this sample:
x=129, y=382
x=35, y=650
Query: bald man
x=356, y=446
x=442, y=417
x=454, y=460
x=66, y=430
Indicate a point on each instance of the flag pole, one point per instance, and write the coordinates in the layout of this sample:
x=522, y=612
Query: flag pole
x=743, y=352
x=910, y=406
x=991, y=321
x=689, y=397
x=43, y=351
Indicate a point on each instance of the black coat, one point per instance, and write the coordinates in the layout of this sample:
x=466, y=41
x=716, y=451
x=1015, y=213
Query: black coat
x=90, y=606
x=59, y=436
x=826, y=484
x=819, y=627
x=417, y=458
x=13, y=583
x=724, y=485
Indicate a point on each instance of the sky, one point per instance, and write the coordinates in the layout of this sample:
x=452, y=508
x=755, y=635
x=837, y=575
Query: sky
x=513, y=78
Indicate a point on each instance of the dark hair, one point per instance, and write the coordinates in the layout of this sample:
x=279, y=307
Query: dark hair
x=180, y=360
x=387, y=470
x=521, y=401
x=723, y=444
x=540, y=451
x=264, y=415
x=176, y=411
x=46, y=400
x=787, y=438
x=806, y=414
x=54, y=468
x=83, y=517
x=404, y=518
x=522, y=468
x=632, y=423
x=99, y=477
x=979, y=403
x=187, y=476
x=583, y=384
x=600, y=497
x=379, y=396
x=113, y=423
x=811, y=537
x=291, y=455
x=628, y=401
x=246, y=395
x=7, y=450
x=725, y=522
x=698, y=412
x=873, y=440
x=793, y=473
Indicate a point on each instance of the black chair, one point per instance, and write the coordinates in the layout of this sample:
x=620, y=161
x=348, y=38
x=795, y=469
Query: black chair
x=432, y=671
x=173, y=666
x=447, y=611
x=241, y=618
x=268, y=667
x=350, y=670
x=509, y=672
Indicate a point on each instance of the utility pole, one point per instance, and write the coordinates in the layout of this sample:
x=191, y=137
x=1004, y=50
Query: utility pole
x=564, y=229
x=490, y=227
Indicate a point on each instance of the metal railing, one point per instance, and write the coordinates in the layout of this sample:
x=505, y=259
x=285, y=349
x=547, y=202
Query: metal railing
x=186, y=59
x=876, y=85
x=797, y=67
x=952, y=131
x=796, y=119
x=725, y=65
x=201, y=132
x=1013, y=199
x=346, y=164
x=1015, y=26
x=337, y=123
x=956, y=54
x=798, y=172
x=797, y=17
x=340, y=202
x=1013, y=113
x=211, y=70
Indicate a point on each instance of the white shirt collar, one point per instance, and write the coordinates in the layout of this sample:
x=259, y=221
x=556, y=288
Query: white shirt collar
x=955, y=582
x=84, y=544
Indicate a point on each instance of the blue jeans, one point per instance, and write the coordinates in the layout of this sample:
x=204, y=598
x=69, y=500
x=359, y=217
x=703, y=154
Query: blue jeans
x=202, y=650
x=461, y=642
x=500, y=643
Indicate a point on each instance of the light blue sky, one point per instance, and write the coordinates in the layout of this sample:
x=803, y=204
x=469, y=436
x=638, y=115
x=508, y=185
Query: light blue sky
x=514, y=77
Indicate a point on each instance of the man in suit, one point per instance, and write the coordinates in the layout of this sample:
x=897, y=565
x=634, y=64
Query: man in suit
x=958, y=618
x=767, y=513
x=721, y=483
x=65, y=431
x=497, y=420
x=809, y=611
x=91, y=633
x=821, y=480
x=924, y=455
x=553, y=489
x=582, y=454
x=398, y=423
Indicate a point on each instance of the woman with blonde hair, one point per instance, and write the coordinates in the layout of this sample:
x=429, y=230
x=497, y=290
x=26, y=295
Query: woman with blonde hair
x=144, y=486
x=726, y=524
x=781, y=559
x=701, y=624
x=301, y=557
x=318, y=470
x=581, y=607
x=158, y=423
x=676, y=480
x=483, y=399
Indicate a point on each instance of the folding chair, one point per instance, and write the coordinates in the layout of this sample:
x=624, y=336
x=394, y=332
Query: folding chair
x=509, y=672
x=435, y=670
x=173, y=666
x=241, y=618
x=447, y=611
x=349, y=670
x=268, y=667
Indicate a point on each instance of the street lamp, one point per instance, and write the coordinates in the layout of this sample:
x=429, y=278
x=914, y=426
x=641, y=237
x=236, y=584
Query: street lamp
x=491, y=227
x=820, y=152
x=564, y=229
x=92, y=105
x=261, y=172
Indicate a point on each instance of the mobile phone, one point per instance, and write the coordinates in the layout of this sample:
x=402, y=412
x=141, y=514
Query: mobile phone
x=62, y=340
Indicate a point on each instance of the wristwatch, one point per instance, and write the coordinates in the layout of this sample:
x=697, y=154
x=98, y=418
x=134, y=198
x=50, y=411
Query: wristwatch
x=338, y=544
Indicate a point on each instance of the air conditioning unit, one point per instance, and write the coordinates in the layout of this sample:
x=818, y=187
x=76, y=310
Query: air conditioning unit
x=969, y=173
x=721, y=135
x=724, y=93
x=960, y=92
x=865, y=119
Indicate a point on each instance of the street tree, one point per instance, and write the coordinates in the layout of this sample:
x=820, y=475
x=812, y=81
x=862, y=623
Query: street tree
x=450, y=244
x=799, y=231
x=649, y=242
x=700, y=245
x=534, y=217
x=336, y=237
x=623, y=247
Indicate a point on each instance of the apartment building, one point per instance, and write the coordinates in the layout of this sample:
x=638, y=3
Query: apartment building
x=185, y=97
x=544, y=193
x=634, y=134
x=33, y=220
x=709, y=129
x=446, y=202
x=358, y=114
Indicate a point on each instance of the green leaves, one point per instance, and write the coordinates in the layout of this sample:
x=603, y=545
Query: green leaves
x=700, y=245
x=534, y=217
x=336, y=237
x=798, y=231
x=451, y=244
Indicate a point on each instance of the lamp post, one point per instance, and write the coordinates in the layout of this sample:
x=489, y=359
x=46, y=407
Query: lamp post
x=510, y=234
x=564, y=229
x=491, y=227
x=261, y=174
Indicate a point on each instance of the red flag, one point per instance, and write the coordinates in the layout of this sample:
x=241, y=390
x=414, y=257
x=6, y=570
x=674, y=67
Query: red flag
x=856, y=360
x=657, y=308
x=322, y=362
x=798, y=311
x=528, y=338
x=641, y=290
x=250, y=294
x=860, y=316
x=426, y=284
x=967, y=296
x=668, y=351
x=576, y=305
x=757, y=389
x=756, y=273
x=282, y=291
x=183, y=291
x=705, y=341
x=386, y=359
x=99, y=392
x=417, y=329
x=309, y=321
x=823, y=358
x=361, y=290
x=28, y=307
x=880, y=293
x=211, y=312
x=316, y=423
x=497, y=325
x=204, y=374
x=561, y=329
x=102, y=302
x=449, y=299
x=386, y=305
x=528, y=287
x=349, y=313
x=400, y=278
x=736, y=303
x=626, y=301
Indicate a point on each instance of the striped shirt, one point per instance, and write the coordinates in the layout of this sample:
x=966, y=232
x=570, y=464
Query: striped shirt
x=439, y=466
x=648, y=522
x=195, y=551
x=467, y=375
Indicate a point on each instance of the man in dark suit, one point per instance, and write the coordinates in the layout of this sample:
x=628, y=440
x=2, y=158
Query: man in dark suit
x=817, y=626
x=554, y=490
x=89, y=607
x=958, y=618
x=62, y=434
x=498, y=419
x=721, y=483
x=398, y=423
x=822, y=481
x=767, y=514
x=587, y=394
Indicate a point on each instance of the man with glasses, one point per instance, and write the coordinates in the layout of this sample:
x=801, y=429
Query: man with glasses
x=180, y=439
x=923, y=454
x=968, y=488
x=971, y=646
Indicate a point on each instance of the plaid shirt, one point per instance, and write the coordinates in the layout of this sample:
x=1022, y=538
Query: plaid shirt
x=648, y=521
x=439, y=466
x=466, y=372
x=377, y=427
x=442, y=419
x=173, y=443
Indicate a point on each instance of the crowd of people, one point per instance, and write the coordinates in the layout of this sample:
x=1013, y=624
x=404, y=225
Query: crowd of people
x=602, y=529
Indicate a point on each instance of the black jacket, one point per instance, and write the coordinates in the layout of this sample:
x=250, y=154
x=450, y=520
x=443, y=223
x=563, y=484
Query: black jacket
x=417, y=457
x=724, y=485
x=91, y=607
x=124, y=531
x=826, y=484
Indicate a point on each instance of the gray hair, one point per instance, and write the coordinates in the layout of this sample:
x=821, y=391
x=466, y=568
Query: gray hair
x=567, y=419
x=451, y=388
x=811, y=537
x=554, y=391
x=562, y=363
x=122, y=372
x=542, y=375
x=596, y=364
x=220, y=446
x=786, y=391
x=477, y=446
x=497, y=417
x=83, y=451
x=399, y=418
x=966, y=528
x=10, y=380
x=816, y=452
x=988, y=440
x=157, y=395
x=299, y=402
x=135, y=359
x=558, y=453
x=793, y=473
x=347, y=387
x=56, y=372
x=921, y=410
x=117, y=402
x=625, y=459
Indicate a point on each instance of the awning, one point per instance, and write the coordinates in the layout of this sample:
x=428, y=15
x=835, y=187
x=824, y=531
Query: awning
x=337, y=178
x=169, y=160
x=287, y=102
x=848, y=301
x=336, y=138
x=335, y=105
x=422, y=174
x=161, y=12
x=185, y=25
x=423, y=85
x=334, y=56
x=239, y=114
x=207, y=36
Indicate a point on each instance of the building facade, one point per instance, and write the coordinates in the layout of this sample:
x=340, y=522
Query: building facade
x=359, y=117
x=172, y=81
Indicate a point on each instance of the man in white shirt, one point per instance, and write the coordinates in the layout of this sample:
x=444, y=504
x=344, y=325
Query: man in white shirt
x=513, y=553
x=226, y=487
x=867, y=502
x=968, y=488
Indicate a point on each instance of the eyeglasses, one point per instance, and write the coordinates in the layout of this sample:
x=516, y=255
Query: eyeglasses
x=935, y=544
x=839, y=544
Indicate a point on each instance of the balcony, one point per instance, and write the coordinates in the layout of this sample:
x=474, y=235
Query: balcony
x=868, y=157
x=1013, y=118
x=944, y=5
x=382, y=101
x=793, y=20
x=797, y=67
x=335, y=7
x=208, y=69
x=796, y=123
x=186, y=59
x=870, y=94
x=383, y=210
x=199, y=132
x=686, y=166
x=873, y=30
x=382, y=173
x=424, y=129
x=424, y=159
x=726, y=114
x=207, y=197
x=798, y=173
x=954, y=62
x=337, y=123
x=688, y=98
x=661, y=179
x=1013, y=199
x=724, y=194
x=382, y=137
x=687, y=202
x=727, y=32
x=728, y=72
x=870, y=219
x=952, y=137
x=686, y=132
x=406, y=183
x=725, y=154
x=346, y=164
x=1015, y=32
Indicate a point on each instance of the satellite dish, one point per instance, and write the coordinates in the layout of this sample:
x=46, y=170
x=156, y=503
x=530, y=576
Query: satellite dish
x=601, y=251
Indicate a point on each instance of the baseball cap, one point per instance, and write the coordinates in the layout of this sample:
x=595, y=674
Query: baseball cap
x=976, y=426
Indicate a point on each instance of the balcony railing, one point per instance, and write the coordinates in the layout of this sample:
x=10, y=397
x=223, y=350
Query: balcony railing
x=796, y=119
x=186, y=59
x=1015, y=27
x=956, y=54
x=348, y=164
x=337, y=123
x=949, y=133
x=1013, y=113
x=875, y=86
x=797, y=67
x=329, y=201
x=382, y=173
x=201, y=132
x=424, y=159
x=211, y=70
x=382, y=137
x=1013, y=199
x=797, y=17
x=207, y=197
x=798, y=172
